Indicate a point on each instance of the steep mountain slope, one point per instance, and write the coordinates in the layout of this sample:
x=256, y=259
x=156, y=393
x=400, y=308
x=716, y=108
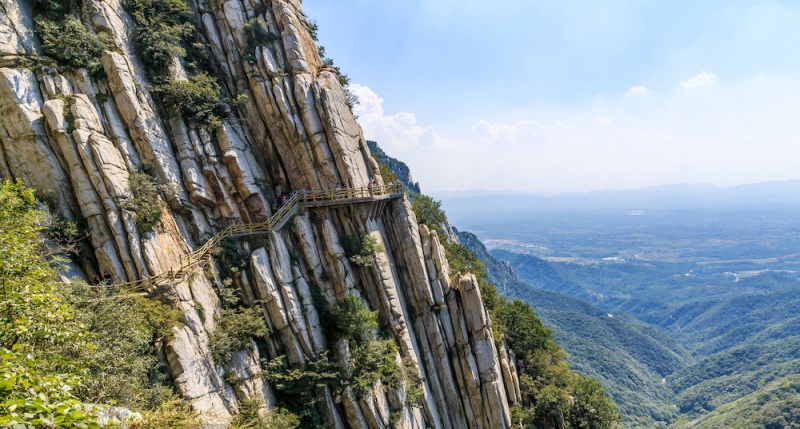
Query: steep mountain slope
x=396, y=166
x=81, y=137
x=742, y=330
x=628, y=357
x=211, y=146
x=775, y=405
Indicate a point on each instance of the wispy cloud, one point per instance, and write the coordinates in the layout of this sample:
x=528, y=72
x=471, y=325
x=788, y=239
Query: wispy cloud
x=397, y=132
x=525, y=132
x=639, y=90
x=744, y=134
x=700, y=80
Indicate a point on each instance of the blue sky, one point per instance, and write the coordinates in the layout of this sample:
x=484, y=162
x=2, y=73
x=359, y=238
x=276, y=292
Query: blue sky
x=574, y=95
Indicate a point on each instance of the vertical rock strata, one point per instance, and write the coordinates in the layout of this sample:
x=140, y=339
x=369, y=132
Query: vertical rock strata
x=78, y=139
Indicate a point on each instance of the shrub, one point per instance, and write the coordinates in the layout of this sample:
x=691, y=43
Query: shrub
x=61, y=347
x=71, y=44
x=414, y=390
x=361, y=249
x=29, y=397
x=298, y=386
x=122, y=365
x=374, y=357
x=429, y=211
x=237, y=325
x=146, y=202
x=162, y=26
x=249, y=417
x=197, y=98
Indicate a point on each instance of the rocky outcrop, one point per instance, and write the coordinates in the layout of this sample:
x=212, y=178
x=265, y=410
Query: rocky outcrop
x=78, y=139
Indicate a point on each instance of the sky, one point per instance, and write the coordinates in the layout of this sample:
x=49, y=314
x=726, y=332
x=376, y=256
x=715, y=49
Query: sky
x=573, y=95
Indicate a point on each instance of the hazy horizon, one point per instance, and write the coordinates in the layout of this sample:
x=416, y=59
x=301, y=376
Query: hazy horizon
x=468, y=193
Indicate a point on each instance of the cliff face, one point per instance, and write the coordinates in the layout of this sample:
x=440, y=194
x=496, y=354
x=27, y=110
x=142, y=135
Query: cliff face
x=79, y=139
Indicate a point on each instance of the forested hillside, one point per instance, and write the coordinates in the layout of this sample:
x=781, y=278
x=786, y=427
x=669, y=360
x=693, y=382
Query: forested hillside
x=720, y=281
x=630, y=358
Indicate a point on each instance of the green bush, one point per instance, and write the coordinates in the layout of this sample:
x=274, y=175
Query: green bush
x=374, y=357
x=146, y=202
x=162, y=27
x=414, y=390
x=63, y=346
x=361, y=249
x=298, y=386
x=429, y=211
x=71, y=44
x=197, y=98
x=249, y=417
x=30, y=397
x=237, y=325
x=122, y=365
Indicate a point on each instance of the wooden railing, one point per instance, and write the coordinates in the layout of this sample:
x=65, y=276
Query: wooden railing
x=202, y=255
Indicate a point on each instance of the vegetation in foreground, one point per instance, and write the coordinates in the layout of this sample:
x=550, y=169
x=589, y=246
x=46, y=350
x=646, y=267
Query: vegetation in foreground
x=67, y=352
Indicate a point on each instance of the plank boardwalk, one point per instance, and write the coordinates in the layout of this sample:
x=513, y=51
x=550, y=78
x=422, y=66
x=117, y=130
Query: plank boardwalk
x=303, y=199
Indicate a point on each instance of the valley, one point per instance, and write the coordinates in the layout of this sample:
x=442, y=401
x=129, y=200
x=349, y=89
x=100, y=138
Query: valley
x=680, y=308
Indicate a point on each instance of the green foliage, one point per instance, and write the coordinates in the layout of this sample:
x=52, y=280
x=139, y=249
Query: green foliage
x=68, y=42
x=388, y=175
x=373, y=358
x=197, y=98
x=355, y=322
x=162, y=27
x=233, y=259
x=361, y=249
x=121, y=361
x=313, y=29
x=163, y=30
x=414, y=390
x=61, y=347
x=171, y=413
x=429, y=212
x=39, y=335
x=251, y=416
x=32, y=317
x=66, y=234
x=237, y=325
x=326, y=317
x=777, y=405
x=298, y=386
x=591, y=408
x=29, y=396
x=146, y=202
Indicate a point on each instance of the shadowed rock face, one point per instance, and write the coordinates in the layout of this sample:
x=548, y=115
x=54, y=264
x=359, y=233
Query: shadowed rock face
x=78, y=140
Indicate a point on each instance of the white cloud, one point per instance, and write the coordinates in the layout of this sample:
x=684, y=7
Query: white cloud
x=700, y=80
x=397, y=132
x=639, y=90
x=521, y=132
x=745, y=134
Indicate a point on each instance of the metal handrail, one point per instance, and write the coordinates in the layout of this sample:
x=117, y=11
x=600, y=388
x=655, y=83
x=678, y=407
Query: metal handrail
x=202, y=255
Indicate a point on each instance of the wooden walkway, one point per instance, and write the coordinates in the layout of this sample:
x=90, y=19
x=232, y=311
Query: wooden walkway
x=300, y=200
